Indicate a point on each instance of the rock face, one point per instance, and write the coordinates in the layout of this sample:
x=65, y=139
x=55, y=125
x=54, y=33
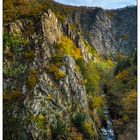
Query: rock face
x=61, y=101
x=53, y=87
x=109, y=31
x=50, y=27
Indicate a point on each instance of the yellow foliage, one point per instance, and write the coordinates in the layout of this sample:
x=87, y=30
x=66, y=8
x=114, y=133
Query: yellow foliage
x=68, y=47
x=32, y=78
x=97, y=102
x=122, y=75
x=41, y=117
x=40, y=120
x=49, y=97
x=57, y=73
x=88, y=129
x=130, y=103
x=110, y=63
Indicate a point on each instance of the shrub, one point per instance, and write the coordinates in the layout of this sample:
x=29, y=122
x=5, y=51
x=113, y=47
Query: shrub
x=32, y=78
x=79, y=120
x=91, y=76
x=13, y=41
x=30, y=55
x=83, y=126
x=122, y=65
x=97, y=102
x=130, y=104
x=40, y=120
x=59, y=130
x=60, y=17
x=75, y=135
x=88, y=130
x=57, y=58
x=14, y=70
x=122, y=75
x=54, y=69
x=68, y=47
x=12, y=95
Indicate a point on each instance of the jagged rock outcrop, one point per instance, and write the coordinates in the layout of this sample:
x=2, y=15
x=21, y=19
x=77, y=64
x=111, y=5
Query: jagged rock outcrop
x=57, y=101
x=50, y=27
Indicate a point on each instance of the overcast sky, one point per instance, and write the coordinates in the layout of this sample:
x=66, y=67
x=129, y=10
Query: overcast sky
x=107, y=4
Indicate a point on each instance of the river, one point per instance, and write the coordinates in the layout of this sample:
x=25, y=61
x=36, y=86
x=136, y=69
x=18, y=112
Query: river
x=107, y=131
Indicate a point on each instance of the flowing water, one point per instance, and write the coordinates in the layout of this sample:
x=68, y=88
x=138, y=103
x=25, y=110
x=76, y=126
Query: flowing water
x=107, y=131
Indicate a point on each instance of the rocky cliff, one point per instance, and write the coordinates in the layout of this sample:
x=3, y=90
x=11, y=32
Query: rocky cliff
x=45, y=96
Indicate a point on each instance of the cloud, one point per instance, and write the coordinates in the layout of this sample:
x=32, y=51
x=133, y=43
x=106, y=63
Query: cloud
x=107, y=4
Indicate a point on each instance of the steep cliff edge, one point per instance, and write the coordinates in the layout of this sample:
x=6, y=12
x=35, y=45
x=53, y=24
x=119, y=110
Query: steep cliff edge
x=55, y=66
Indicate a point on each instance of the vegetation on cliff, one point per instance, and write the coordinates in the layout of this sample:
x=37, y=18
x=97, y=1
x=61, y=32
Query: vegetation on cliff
x=57, y=88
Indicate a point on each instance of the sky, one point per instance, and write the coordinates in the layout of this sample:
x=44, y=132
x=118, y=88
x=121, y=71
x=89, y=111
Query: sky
x=106, y=4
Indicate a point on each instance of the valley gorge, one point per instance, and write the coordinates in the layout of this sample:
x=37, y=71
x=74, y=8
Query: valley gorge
x=68, y=72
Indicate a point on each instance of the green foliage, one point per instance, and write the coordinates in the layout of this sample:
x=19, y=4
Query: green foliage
x=59, y=130
x=40, y=120
x=14, y=41
x=90, y=75
x=96, y=74
x=122, y=64
x=79, y=120
x=15, y=70
x=12, y=127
